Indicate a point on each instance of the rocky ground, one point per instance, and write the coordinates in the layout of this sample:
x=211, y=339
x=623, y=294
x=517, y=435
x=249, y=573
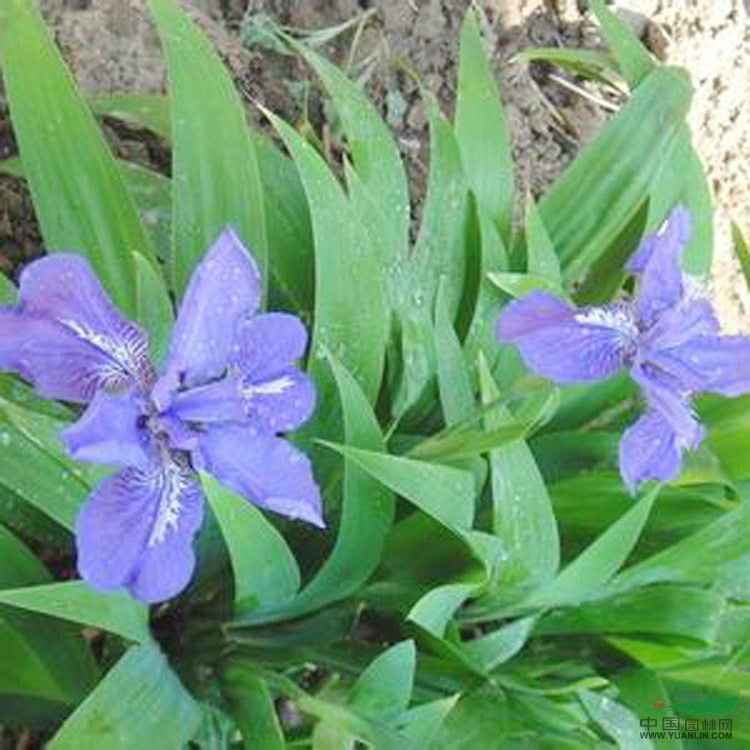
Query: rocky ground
x=112, y=46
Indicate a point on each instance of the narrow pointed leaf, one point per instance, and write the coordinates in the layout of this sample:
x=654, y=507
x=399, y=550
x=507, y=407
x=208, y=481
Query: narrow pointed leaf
x=520, y=284
x=350, y=316
x=288, y=231
x=367, y=511
x=445, y=493
x=154, y=306
x=599, y=562
x=710, y=556
x=434, y=610
x=39, y=476
x=587, y=63
x=422, y=724
x=621, y=724
x=432, y=619
x=376, y=158
x=660, y=610
x=42, y=658
x=683, y=180
x=439, y=255
x=142, y=685
x=384, y=689
x=492, y=649
x=637, y=689
x=494, y=258
x=8, y=291
x=437, y=263
x=79, y=195
x=143, y=110
x=542, y=258
x=251, y=704
x=462, y=444
x=742, y=251
x=29, y=522
x=454, y=383
x=522, y=514
x=75, y=601
x=592, y=201
x=152, y=193
x=481, y=130
x=632, y=57
x=215, y=172
x=374, y=733
x=265, y=571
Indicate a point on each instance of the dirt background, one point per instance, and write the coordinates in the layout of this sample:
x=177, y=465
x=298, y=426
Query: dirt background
x=112, y=46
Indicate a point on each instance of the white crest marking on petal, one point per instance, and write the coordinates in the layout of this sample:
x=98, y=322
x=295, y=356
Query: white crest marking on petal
x=618, y=318
x=171, y=480
x=129, y=351
x=271, y=388
x=108, y=345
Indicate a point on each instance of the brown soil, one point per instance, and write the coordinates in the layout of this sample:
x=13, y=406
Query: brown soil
x=112, y=47
x=711, y=38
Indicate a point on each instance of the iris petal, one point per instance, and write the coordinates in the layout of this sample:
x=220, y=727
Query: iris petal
x=64, y=288
x=136, y=531
x=665, y=396
x=267, y=470
x=670, y=348
x=113, y=527
x=268, y=344
x=54, y=359
x=659, y=259
x=167, y=562
x=715, y=363
x=680, y=324
x=282, y=403
x=66, y=337
x=220, y=401
x=637, y=261
x=224, y=290
x=109, y=432
x=565, y=344
x=649, y=449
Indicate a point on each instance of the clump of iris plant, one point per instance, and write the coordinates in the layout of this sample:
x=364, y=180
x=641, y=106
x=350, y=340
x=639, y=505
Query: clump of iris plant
x=667, y=337
x=228, y=388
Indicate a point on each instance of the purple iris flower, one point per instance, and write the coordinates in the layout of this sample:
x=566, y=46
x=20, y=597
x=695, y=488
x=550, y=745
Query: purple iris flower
x=667, y=337
x=228, y=388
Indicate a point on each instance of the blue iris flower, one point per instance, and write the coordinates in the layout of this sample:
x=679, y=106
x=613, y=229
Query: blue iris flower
x=228, y=388
x=667, y=337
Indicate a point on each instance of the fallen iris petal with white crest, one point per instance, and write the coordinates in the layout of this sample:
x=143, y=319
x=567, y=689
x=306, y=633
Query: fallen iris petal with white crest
x=667, y=337
x=228, y=389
